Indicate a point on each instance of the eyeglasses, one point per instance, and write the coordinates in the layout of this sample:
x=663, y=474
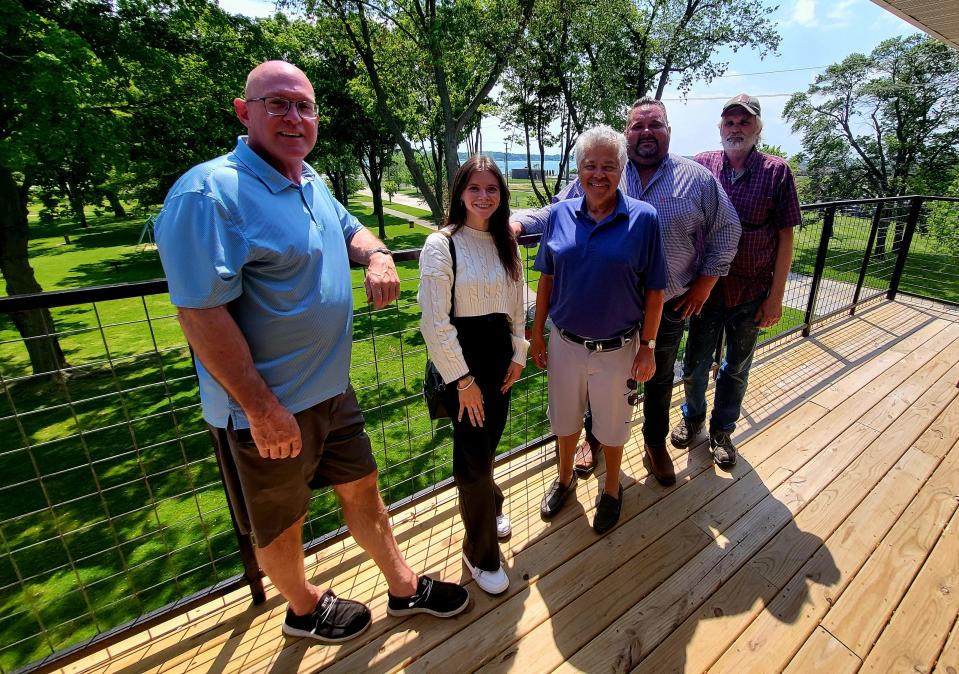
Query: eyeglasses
x=633, y=397
x=279, y=107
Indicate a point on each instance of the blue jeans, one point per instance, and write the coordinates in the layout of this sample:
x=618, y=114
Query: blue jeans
x=704, y=330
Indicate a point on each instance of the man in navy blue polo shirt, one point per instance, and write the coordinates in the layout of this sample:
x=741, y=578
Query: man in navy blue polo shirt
x=257, y=253
x=603, y=275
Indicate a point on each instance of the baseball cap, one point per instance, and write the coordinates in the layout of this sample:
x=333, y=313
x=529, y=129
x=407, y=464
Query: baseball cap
x=749, y=103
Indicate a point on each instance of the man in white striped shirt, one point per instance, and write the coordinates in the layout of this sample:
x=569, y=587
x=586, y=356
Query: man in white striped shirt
x=700, y=230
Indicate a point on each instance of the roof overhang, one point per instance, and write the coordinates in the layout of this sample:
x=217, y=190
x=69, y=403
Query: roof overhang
x=938, y=18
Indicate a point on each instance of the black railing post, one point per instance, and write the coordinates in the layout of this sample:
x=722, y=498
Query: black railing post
x=828, y=218
x=876, y=219
x=914, y=209
x=244, y=542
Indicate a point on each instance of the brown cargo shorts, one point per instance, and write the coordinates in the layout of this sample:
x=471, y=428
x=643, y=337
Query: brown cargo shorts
x=271, y=494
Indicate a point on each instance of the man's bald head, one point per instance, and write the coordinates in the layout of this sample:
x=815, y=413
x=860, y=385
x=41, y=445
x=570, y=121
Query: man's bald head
x=264, y=76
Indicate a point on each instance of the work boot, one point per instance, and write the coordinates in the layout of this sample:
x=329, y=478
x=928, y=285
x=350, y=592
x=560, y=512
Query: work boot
x=723, y=449
x=660, y=465
x=685, y=433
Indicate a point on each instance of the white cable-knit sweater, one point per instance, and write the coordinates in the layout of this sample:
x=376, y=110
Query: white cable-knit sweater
x=482, y=287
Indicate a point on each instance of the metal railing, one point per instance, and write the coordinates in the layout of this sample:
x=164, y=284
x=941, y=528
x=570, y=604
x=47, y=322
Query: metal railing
x=112, y=513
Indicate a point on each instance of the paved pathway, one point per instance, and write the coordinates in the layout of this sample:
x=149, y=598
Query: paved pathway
x=832, y=294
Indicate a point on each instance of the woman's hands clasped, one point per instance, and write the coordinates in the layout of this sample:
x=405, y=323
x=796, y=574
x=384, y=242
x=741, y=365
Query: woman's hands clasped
x=471, y=400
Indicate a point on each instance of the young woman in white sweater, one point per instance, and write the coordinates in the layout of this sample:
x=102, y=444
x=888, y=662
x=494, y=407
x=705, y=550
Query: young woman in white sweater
x=481, y=352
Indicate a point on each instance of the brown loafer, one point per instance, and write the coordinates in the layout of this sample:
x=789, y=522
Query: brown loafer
x=660, y=465
x=587, y=455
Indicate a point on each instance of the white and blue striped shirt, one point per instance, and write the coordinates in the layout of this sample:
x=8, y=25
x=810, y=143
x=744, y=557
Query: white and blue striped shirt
x=698, y=223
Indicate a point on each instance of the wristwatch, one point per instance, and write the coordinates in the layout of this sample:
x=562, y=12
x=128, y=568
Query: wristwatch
x=384, y=250
x=651, y=343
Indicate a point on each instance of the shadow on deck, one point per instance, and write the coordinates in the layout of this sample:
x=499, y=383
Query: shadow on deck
x=831, y=546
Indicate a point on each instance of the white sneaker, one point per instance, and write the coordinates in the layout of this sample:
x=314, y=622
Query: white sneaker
x=503, y=526
x=493, y=582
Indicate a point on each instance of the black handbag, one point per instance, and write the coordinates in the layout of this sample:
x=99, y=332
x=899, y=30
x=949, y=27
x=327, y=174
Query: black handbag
x=434, y=388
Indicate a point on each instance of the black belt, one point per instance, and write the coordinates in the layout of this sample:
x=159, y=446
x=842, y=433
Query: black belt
x=610, y=344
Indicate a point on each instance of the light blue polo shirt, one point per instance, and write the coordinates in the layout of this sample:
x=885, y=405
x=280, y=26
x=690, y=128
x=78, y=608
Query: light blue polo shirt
x=601, y=270
x=234, y=231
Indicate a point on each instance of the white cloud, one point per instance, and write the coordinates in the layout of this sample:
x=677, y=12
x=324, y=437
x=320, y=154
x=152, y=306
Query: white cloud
x=804, y=13
x=840, y=14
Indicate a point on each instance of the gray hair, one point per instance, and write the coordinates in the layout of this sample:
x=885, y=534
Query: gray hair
x=601, y=135
x=649, y=100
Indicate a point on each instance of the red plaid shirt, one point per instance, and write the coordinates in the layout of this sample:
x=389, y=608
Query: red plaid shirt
x=766, y=201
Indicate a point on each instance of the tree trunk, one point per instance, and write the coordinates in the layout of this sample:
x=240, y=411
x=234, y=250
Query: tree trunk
x=339, y=181
x=373, y=172
x=76, y=202
x=119, y=212
x=34, y=326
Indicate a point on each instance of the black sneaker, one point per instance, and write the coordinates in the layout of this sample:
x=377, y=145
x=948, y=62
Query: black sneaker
x=685, y=433
x=607, y=512
x=723, y=449
x=555, y=497
x=444, y=600
x=332, y=621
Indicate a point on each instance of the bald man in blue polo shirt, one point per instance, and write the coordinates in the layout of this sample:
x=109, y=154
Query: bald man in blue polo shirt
x=257, y=254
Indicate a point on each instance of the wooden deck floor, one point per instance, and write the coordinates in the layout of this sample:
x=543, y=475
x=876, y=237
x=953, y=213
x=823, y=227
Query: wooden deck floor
x=833, y=546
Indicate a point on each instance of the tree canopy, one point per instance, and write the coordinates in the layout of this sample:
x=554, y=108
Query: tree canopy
x=882, y=124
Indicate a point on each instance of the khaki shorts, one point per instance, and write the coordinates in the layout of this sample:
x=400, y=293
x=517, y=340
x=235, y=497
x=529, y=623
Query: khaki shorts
x=578, y=377
x=276, y=492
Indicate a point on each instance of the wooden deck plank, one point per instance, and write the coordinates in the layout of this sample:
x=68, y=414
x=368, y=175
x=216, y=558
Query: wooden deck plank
x=643, y=626
x=823, y=652
x=702, y=636
x=846, y=369
x=862, y=611
x=554, y=543
x=374, y=652
x=536, y=657
x=892, y=504
x=919, y=627
x=948, y=662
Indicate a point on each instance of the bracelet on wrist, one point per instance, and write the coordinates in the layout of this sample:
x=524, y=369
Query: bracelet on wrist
x=384, y=250
x=463, y=388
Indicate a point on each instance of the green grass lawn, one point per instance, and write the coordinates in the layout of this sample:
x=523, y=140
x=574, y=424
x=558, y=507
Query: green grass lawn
x=409, y=210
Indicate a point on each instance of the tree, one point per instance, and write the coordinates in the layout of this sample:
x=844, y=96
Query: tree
x=877, y=125
x=775, y=150
x=676, y=40
x=95, y=94
x=568, y=74
x=583, y=63
x=885, y=124
x=38, y=55
x=430, y=65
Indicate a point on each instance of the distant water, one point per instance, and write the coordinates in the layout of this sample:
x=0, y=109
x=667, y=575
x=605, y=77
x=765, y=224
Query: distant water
x=513, y=164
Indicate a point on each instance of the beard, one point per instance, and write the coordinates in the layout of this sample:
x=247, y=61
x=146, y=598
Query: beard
x=650, y=151
x=739, y=143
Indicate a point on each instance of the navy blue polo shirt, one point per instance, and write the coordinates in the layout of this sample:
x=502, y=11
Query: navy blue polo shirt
x=601, y=270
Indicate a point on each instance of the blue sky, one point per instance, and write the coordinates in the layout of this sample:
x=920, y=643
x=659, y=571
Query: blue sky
x=815, y=33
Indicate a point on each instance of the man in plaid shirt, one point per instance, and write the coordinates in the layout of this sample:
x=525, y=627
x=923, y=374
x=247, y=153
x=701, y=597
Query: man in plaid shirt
x=750, y=297
x=700, y=231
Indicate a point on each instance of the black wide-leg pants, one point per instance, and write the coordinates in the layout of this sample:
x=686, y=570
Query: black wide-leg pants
x=488, y=350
